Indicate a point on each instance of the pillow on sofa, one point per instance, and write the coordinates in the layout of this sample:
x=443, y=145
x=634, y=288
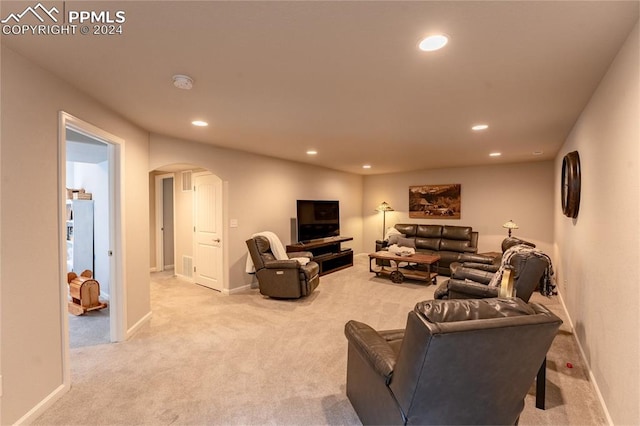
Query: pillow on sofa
x=406, y=242
x=392, y=231
x=393, y=238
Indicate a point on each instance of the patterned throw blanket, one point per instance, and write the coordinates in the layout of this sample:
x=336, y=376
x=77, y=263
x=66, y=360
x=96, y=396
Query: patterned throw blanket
x=548, y=287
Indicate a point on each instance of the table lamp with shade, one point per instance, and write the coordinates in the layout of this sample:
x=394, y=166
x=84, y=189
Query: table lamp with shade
x=384, y=207
x=510, y=225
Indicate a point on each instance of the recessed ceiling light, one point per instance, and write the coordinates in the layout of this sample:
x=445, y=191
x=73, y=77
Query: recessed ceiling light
x=182, y=81
x=479, y=127
x=433, y=42
x=538, y=152
x=495, y=154
x=200, y=123
x=312, y=152
x=366, y=166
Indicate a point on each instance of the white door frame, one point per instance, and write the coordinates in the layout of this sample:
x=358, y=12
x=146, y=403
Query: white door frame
x=160, y=220
x=117, y=295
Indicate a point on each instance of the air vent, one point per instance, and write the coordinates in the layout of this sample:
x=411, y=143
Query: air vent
x=186, y=181
x=187, y=266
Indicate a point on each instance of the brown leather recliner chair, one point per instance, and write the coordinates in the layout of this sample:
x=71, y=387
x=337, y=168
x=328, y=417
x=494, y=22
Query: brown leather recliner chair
x=470, y=280
x=457, y=362
x=282, y=279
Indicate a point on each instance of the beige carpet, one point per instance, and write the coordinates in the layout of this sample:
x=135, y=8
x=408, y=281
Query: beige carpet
x=89, y=329
x=207, y=358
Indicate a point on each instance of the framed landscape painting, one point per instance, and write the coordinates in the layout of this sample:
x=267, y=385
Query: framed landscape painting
x=434, y=201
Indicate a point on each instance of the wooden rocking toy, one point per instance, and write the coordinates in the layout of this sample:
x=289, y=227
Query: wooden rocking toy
x=84, y=292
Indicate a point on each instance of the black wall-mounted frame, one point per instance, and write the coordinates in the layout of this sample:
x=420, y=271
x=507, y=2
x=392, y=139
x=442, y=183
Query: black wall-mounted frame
x=570, y=184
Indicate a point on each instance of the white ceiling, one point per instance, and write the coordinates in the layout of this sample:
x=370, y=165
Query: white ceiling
x=345, y=78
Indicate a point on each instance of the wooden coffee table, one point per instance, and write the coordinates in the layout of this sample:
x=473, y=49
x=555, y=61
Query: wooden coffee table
x=397, y=274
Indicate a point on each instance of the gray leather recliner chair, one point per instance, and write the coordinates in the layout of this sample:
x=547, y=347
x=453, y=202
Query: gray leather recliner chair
x=457, y=362
x=282, y=279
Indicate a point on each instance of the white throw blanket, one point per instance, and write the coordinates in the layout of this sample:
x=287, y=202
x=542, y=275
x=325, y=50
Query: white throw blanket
x=401, y=250
x=276, y=248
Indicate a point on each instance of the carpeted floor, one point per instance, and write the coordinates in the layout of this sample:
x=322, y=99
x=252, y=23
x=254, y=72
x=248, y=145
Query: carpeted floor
x=206, y=358
x=89, y=329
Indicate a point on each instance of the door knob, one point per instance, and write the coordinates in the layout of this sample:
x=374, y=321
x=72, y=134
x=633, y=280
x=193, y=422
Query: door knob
x=217, y=240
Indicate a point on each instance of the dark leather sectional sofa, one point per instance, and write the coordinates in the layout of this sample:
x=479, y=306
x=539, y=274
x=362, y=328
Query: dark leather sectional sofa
x=452, y=243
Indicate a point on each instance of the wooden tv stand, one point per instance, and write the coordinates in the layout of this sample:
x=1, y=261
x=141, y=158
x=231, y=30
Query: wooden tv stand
x=327, y=252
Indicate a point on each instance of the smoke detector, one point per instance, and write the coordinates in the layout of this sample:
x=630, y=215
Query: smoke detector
x=182, y=81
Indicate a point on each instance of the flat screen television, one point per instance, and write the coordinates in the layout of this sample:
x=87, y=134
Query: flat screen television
x=318, y=219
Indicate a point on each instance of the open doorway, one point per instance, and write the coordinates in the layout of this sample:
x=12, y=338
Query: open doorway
x=91, y=233
x=165, y=234
x=87, y=210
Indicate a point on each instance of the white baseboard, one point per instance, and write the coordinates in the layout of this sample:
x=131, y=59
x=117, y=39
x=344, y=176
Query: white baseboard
x=184, y=277
x=153, y=269
x=236, y=290
x=137, y=326
x=43, y=405
x=592, y=379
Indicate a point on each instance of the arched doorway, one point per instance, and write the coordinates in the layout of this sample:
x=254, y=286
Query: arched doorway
x=196, y=231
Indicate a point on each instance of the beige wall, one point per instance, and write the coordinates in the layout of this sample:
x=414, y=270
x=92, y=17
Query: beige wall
x=31, y=329
x=262, y=193
x=491, y=195
x=599, y=251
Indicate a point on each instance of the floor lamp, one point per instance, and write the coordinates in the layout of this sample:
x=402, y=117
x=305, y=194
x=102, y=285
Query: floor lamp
x=384, y=208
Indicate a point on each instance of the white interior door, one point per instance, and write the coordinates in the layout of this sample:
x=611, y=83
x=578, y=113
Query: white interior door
x=207, y=230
